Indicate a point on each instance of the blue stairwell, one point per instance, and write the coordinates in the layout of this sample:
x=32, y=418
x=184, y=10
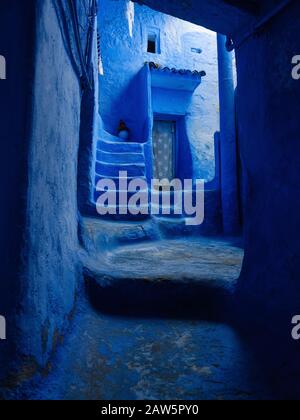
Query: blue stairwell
x=114, y=156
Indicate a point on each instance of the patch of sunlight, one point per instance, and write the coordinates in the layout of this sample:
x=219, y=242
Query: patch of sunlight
x=130, y=14
x=100, y=66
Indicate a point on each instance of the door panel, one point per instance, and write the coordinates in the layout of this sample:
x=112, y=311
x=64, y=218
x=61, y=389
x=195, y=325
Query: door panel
x=164, y=133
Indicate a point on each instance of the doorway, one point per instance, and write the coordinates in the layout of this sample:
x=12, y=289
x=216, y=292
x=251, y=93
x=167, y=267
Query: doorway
x=164, y=149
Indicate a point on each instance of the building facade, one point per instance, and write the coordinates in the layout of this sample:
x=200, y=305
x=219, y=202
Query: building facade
x=174, y=104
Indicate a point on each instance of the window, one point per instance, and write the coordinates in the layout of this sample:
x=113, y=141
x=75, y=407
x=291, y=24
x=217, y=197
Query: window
x=153, y=41
x=152, y=44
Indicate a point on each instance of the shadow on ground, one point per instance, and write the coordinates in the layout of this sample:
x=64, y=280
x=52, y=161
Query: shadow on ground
x=174, y=336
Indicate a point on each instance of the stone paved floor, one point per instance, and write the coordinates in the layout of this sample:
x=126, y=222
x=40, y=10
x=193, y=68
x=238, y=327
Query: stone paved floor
x=111, y=357
x=122, y=345
x=126, y=358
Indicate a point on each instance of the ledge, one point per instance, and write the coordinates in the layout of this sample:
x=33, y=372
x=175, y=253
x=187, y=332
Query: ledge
x=175, y=79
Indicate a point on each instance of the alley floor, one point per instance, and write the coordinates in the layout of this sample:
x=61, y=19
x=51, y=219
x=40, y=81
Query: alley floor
x=153, y=322
x=126, y=358
x=122, y=345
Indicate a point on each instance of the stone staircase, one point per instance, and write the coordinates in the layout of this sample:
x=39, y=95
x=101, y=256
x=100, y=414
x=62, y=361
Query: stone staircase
x=114, y=157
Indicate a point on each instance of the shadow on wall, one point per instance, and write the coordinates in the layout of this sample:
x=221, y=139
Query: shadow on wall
x=132, y=106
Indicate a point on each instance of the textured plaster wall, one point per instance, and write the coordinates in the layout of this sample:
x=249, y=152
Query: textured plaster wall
x=40, y=249
x=40, y=135
x=51, y=271
x=123, y=28
x=17, y=21
x=268, y=113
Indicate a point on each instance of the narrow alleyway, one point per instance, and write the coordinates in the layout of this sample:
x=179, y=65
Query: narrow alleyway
x=107, y=358
x=104, y=309
x=177, y=353
x=146, y=328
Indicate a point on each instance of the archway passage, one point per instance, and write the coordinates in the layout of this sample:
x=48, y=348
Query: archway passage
x=247, y=25
x=171, y=127
x=262, y=95
x=154, y=273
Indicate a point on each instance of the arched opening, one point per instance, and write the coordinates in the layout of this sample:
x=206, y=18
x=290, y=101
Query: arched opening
x=171, y=119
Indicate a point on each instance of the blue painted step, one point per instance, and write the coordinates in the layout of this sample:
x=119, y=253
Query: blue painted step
x=127, y=216
x=119, y=147
x=124, y=207
x=100, y=177
x=129, y=195
x=164, y=211
x=113, y=157
x=122, y=158
x=109, y=170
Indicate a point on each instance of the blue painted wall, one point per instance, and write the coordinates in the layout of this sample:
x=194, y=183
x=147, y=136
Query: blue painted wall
x=50, y=272
x=17, y=22
x=268, y=115
x=123, y=28
x=52, y=266
x=40, y=139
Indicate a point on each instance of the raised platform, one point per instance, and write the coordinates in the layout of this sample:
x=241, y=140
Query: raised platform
x=184, y=277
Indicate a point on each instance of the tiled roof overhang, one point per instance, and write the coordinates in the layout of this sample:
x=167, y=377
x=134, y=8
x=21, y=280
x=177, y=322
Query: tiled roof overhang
x=171, y=78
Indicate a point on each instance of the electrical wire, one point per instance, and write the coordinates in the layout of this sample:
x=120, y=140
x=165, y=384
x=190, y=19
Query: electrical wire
x=75, y=20
x=69, y=19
